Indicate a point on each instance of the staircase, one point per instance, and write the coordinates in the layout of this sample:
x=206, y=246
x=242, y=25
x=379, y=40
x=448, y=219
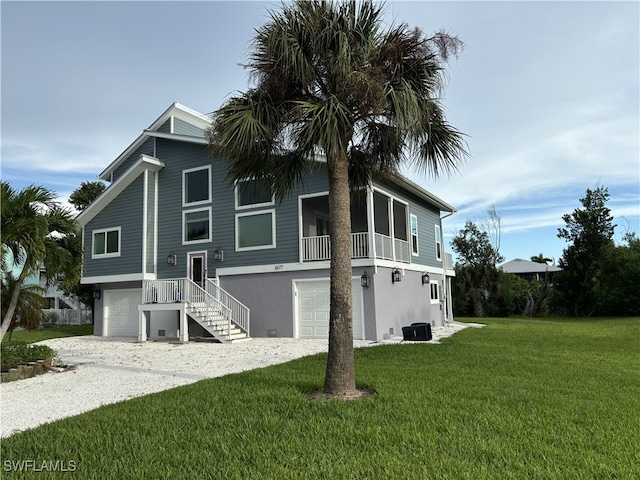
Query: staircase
x=218, y=312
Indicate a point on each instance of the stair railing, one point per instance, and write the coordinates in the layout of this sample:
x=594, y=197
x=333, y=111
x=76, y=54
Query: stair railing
x=240, y=313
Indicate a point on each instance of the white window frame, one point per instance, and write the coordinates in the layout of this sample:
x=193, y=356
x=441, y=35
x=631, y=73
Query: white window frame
x=438, y=241
x=434, y=286
x=105, y=231
x=271, y=211
x=184, y=225
x=253, y=205
x=415, y=252
x=184, y=182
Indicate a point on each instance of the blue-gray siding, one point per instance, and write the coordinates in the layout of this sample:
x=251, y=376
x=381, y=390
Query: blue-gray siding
x=125, y=212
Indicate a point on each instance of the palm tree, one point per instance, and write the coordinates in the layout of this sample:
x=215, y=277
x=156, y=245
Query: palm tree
x=540, y=258
x=331, y=81
x=36, y=231
x=29, y=306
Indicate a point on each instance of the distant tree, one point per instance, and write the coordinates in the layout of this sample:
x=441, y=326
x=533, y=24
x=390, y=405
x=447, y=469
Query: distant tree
x=477, y=276
x=332, y=79
x=589, y=230
x=85, y=194
x=540, y=258
x=35, y=229
x=81, y=198
x=619, y=292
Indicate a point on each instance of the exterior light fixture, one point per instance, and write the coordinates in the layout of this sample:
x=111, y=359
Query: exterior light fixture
x=425, y=278
x=396, y=275
x=364, y=280
x=96, y=293
x=218, y=255
x=172, y=259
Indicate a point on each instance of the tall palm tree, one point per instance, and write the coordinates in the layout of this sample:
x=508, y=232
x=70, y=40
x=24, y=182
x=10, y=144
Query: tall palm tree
x=36, y=231
x=331, y=80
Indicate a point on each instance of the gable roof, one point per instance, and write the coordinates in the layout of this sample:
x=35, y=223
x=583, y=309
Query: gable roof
x=519, y=265
x=176, y=110
x=145, y=162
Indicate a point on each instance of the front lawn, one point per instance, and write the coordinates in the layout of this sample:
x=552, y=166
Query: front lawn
x=32, y=336
x=520, y=398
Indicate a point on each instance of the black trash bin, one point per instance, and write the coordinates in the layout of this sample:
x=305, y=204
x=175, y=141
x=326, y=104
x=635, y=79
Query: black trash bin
x=417, y=332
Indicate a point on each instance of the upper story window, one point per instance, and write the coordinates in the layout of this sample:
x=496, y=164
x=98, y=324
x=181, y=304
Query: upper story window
x=438, y=243
x=106, y=243
x=252, y=193
x=196, y=226
x=414, y=235
x=196, y=186
x=256, y=230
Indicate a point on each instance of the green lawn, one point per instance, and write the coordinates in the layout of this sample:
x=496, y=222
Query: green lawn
x=32, y=336
x=518, y=399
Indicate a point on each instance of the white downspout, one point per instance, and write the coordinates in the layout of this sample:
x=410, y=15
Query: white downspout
x=445, y=291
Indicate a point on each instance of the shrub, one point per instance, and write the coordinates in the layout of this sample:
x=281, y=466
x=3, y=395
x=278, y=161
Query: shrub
x=18, y=353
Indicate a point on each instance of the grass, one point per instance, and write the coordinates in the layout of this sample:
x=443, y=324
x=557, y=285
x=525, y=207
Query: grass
x=520, y=398
x=32, y=336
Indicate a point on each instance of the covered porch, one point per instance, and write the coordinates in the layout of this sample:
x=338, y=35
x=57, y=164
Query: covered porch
x=379, y=228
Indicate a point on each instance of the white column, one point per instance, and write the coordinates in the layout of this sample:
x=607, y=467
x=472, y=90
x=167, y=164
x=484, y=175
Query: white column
x=142, y=326
x=184, y=326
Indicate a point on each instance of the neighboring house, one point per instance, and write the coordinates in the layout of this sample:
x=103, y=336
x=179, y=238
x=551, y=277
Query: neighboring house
x=530, y=270
x=176, y=251
x=58, y=307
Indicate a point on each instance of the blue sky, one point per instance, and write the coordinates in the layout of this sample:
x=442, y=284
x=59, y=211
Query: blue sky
x=547, y=93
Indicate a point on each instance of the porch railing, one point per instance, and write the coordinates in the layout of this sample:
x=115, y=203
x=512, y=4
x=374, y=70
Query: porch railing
x=240, y=313
x=319, y=247
x=185, y=290
x=385, y=251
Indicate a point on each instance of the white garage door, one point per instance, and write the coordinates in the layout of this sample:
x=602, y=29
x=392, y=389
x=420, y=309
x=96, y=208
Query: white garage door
x=121, y=312
x=312, y=309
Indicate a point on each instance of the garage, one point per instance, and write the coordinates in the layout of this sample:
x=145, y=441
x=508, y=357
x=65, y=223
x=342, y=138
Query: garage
x=312, y=309
x=121, y=312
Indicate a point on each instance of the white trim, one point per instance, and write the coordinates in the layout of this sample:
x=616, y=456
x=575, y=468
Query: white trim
x=177, y=137
x=155, y=226
x=325, y=265
x=192, y=242
x=438, y=241
x=145, y=192
x=271, y=211
x=145, y=162
x=127, y=277
x=252, y=205
x=209, y=189
x=97, y=256
x=171, y=124
x=197, y=254
x=417, y=234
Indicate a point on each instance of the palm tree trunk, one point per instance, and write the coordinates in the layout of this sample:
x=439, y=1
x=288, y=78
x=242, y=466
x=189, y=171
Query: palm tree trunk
x=6, y=321
x=340, y=372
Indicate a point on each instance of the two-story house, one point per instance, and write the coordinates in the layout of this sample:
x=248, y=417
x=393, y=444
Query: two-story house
x=175, y=250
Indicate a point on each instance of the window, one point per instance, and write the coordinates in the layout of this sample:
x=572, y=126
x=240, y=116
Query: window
x=255, y=231
x=252, y=193
x=196, y=226
x=323, y=225
x=399, y=220
x=106, y=243
x=196, y=186
x=414, y=235
x=435, y=292
x=438, y=243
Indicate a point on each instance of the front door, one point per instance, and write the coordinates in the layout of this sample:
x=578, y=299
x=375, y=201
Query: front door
x=198, y=267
